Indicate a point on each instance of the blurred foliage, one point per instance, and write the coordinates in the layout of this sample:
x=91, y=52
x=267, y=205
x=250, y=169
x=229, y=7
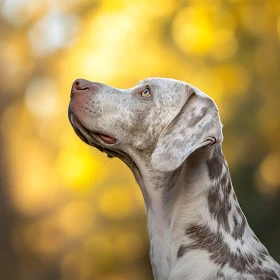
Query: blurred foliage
x=66, y=211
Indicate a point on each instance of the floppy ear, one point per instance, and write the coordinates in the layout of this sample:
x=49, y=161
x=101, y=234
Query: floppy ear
x=197, y=125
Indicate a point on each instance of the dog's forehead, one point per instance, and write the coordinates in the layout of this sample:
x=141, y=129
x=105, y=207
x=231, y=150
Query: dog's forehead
x=161, y=82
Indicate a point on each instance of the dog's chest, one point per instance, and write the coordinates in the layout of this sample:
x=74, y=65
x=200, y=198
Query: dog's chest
x=167, y=266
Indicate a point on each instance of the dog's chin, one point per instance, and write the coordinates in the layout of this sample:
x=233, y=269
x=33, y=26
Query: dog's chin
x=94, y=139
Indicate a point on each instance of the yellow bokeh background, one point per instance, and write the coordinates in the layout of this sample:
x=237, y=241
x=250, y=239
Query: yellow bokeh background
x=68, y=212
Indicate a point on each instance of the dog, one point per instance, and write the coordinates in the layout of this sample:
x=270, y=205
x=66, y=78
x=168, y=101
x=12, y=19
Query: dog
x=169, y=134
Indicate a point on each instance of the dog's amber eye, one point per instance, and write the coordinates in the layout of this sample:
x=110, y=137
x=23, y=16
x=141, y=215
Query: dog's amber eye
x=145, y=92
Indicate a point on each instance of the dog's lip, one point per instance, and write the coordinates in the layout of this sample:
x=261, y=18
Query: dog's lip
x=107, y=139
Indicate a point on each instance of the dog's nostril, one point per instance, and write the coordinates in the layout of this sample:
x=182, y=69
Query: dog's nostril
x=78, y=85
x=83, y=86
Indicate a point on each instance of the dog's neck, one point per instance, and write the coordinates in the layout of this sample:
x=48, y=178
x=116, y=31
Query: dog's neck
x=203, y=176
x=193, y=214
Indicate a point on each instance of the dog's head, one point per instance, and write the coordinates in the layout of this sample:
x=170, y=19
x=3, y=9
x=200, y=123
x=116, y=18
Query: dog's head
x=159, y=120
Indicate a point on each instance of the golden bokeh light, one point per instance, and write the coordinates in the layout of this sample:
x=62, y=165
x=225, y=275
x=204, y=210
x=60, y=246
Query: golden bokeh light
x=116, y=202
x=76, y=219
x=269, y=172
x=278, y=27
x=200, y=31
x=70, y=265
x=234, y=77
x=40, y=97
x=129, y=246
x=78, y=168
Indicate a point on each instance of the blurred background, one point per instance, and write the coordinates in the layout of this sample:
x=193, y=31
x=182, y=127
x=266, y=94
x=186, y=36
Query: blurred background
x=67, y=212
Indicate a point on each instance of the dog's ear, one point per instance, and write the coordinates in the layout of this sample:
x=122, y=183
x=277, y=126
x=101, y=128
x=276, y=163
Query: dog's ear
x=196, y=125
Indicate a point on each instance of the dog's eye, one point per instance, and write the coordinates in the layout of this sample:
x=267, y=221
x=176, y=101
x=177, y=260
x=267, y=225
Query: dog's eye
x=145, y=92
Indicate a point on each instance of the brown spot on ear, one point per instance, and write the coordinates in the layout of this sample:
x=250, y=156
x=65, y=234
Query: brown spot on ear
x=203, y=111
x=193, y=121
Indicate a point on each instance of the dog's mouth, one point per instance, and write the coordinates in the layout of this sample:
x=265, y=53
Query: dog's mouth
x=88, y=136
x=107, y=139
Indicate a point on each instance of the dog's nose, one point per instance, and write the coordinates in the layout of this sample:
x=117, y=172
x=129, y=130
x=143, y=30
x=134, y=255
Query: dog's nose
x=80, y=86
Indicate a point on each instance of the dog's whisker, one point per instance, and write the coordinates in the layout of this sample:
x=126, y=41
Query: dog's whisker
x=101, y=167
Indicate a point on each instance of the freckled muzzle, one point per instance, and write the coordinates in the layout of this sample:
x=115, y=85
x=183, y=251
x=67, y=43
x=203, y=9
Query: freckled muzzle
x=80, y=92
